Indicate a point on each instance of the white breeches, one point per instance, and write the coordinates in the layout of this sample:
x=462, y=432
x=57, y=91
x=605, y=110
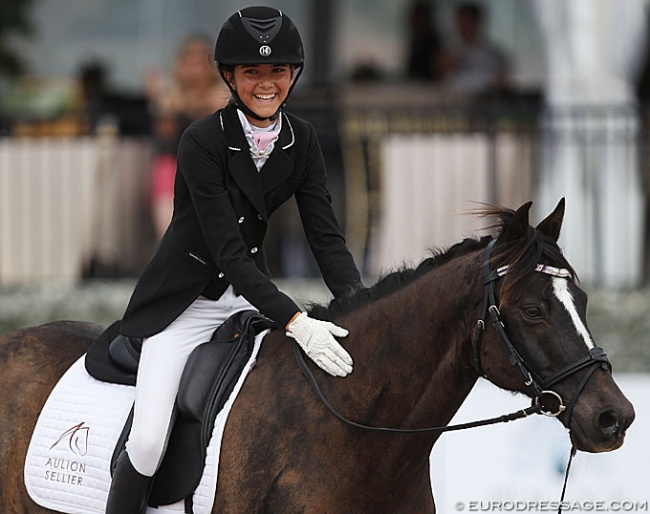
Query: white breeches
x=163, y=358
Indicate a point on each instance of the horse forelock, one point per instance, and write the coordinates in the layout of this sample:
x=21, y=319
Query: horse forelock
x=523, y=254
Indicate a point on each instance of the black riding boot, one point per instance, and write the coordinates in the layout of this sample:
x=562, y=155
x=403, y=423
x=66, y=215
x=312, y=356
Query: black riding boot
x=129, y=489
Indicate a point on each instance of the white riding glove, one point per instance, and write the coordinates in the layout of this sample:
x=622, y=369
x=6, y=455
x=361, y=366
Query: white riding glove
x=315, y=338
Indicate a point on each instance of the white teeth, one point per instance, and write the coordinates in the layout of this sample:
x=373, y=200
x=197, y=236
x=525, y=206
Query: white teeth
x=265, y=97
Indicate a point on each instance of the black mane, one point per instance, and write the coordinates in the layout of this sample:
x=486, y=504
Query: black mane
x=394, y=281
x=521, y=254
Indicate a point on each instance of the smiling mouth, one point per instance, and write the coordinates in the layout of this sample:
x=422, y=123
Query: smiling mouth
x=266, y=98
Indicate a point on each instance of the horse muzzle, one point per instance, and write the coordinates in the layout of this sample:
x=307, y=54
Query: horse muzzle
x=601, y=430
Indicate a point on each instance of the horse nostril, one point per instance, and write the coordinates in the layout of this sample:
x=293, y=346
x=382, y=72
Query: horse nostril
x=609, y=423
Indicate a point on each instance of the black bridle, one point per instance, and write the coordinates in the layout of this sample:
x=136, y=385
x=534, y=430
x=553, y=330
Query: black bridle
x=539, y=387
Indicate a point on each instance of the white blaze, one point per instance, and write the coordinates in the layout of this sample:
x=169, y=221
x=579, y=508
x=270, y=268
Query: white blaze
x=562, y=292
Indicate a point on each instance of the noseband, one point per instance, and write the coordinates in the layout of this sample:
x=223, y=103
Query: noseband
x=540, y=387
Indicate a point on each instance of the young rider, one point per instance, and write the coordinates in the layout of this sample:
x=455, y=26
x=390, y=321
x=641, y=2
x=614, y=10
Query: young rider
x=234, y=169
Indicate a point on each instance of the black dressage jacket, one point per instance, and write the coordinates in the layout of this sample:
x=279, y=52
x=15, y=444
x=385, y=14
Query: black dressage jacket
x=221, y=208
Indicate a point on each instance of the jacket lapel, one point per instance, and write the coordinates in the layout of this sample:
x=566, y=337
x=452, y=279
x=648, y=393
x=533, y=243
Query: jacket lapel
x=241, y=166
x=279, y=166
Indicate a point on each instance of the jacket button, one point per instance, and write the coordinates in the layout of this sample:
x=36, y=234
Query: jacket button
x=259, y=217
x=241, y=220
x=254, y=249
x=220, y=275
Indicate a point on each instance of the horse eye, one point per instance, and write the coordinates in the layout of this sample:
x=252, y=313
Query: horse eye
x=532, y=311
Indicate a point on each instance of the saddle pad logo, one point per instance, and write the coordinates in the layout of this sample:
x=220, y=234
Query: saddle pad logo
x=69, y=471
x=75, y=438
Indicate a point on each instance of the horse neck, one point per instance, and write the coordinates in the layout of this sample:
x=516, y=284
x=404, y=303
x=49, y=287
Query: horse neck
x=412, y=349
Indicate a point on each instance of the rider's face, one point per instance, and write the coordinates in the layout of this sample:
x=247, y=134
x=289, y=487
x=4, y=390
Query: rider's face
x=262, y=88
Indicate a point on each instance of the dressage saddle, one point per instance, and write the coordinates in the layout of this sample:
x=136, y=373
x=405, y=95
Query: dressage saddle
x=209, y=377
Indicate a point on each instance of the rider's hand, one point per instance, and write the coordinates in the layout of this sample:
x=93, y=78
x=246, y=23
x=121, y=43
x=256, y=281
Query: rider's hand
x=315, y=337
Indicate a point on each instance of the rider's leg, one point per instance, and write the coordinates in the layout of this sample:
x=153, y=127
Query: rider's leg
x=161, y=365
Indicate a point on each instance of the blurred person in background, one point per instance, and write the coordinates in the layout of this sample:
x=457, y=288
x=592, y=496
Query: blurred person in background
x=425, y=44
x=476, y=65
x=196, y=91
x=92, y=82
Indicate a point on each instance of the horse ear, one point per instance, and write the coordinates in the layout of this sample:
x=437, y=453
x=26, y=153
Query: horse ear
x=553, y=223
x=518, y=225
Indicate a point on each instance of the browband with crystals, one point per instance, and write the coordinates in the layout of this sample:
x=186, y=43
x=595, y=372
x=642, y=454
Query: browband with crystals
x=541, y=268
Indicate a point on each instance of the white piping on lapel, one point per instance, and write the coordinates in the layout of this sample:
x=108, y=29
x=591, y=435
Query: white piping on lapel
x=224, y=131
x=293, y=136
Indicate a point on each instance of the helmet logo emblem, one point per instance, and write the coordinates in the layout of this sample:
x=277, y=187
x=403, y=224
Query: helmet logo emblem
x=265, y=50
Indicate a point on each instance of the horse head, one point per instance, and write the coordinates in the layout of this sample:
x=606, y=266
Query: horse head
x=539, y=326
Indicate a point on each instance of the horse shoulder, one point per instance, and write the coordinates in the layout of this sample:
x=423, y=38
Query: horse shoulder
x=259, y=438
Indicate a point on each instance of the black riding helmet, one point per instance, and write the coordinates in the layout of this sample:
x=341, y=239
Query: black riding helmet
x=258, y=35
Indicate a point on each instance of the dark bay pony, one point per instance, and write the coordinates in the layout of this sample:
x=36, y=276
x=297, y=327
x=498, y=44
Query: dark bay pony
x=418, y=351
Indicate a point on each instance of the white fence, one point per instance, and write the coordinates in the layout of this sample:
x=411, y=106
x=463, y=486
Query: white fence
x=67, y=202
x=430, y=183
x=410, y=174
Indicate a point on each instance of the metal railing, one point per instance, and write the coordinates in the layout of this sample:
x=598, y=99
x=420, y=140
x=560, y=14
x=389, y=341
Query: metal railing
x=411, y=170
x=406, y=173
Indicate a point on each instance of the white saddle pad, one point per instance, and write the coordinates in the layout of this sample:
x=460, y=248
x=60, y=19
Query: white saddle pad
x=68, y=460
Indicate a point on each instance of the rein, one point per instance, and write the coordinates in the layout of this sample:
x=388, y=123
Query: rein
x=539, y=386
x=297, y=351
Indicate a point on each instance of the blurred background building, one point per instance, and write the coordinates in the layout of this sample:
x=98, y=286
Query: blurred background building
x=424, y=109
